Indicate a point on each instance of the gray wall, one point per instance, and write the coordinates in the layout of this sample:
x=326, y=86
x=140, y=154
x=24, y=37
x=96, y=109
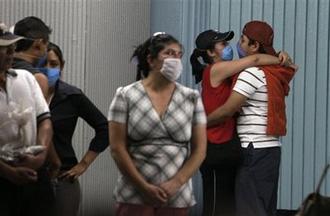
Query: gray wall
x=97, y=38
x=302, y=29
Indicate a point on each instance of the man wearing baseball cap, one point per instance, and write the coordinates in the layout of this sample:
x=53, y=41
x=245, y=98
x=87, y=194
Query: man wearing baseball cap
x=24, y=122
x=259, y=95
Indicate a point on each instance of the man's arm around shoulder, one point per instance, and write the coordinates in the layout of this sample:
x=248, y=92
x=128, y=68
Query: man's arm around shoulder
x=232, y=105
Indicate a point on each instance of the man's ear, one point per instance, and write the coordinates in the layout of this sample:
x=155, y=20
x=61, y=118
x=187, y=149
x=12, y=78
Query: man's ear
x=255, y=46
x=37, y=44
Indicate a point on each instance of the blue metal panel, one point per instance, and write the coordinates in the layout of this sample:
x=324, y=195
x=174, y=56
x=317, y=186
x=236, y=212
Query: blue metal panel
x=298, y=114
x=310, y=86
x=321, y=87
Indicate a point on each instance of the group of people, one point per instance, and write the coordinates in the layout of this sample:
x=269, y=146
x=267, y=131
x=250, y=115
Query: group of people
x=39, y=169
x=160, y=132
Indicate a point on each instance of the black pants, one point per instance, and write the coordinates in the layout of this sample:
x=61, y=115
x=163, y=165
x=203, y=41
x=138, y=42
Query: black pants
x=257, y=181
x=35, y=199
x=218, y=175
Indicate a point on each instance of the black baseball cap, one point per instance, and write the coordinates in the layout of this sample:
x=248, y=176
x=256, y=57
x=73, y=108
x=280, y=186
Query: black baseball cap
x=206, y=39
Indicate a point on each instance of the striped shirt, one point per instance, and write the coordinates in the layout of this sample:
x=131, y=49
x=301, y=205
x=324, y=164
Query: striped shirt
x=252, y=122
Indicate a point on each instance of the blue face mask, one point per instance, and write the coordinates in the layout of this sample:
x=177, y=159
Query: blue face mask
x=227, y=53
x=41, y=61
x=241, y=53
x=53, y=75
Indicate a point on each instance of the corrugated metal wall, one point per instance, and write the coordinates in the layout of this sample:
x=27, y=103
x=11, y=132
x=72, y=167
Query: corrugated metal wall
x=97, y=38
x=302, y=29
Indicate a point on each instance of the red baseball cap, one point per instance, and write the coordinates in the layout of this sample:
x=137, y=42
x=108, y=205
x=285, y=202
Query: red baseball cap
x=262, y=32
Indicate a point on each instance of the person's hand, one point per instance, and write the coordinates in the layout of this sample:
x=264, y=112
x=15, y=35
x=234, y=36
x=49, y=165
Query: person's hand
x=31, y=161
x=171, y=187
x=74, y=172
x=54, y=169
x=294, y=66
x=284, y=58
x=154, y=195
x=22, y=175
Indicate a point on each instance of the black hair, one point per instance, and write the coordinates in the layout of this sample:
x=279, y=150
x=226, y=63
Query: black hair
x=152, y=46
x=32, y=28
x=197, y=66
x=57, y=50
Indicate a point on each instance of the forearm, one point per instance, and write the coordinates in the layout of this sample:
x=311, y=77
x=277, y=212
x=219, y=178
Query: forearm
x=264, y=59
x=191, y=166
x=88, y=158
x=197, y=155
x=45, y=133
x=54, y=160
x=219, y=116
x=127, y=167
x=44, y=138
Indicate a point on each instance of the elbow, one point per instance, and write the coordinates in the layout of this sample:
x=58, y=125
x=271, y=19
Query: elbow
x=115, y=151
x=215, y=119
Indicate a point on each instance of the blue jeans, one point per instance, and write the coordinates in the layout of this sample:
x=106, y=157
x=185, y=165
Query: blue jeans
x=257, y=181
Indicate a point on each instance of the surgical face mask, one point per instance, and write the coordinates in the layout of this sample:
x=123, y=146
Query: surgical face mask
x=53, y=75
x=171, y=69
x=241, y=53
x=227, y=53
x=41, y=61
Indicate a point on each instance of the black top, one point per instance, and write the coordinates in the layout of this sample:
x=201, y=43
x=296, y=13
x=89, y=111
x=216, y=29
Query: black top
x=22, y=64
x=67, y=105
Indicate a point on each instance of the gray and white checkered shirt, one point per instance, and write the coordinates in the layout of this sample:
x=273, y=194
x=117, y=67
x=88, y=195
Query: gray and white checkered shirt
x=158, y=146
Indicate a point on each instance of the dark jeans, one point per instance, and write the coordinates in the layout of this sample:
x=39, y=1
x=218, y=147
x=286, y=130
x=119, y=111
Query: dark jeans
x=218, y=175
x=257, y=181
x=35, y=199
x=67, y=197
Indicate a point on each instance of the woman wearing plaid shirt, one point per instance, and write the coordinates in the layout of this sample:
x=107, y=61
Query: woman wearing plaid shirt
x=157, y=134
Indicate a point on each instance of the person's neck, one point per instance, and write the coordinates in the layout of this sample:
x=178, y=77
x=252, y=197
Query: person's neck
x=25, y=56
x=157, y=82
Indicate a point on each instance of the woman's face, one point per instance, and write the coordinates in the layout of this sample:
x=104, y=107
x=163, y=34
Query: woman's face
x=172, y=50
x=53, y=60
x=217, y=51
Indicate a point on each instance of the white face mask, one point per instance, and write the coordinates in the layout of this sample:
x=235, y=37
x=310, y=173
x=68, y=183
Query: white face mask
x=171, y=69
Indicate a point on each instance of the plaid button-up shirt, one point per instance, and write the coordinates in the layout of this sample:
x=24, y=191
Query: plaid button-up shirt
x=158, y=145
